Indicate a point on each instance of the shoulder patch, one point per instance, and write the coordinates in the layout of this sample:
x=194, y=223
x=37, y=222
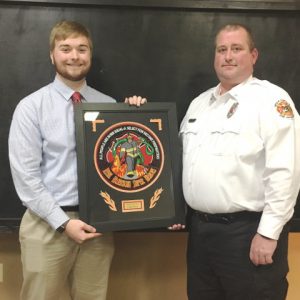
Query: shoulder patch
x=284, y=109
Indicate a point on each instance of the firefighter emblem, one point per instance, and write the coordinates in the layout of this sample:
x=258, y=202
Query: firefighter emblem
x=128, y=157
x=284, y=109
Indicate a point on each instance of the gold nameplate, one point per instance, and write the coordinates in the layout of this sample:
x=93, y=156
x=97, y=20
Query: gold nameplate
x=132, y=205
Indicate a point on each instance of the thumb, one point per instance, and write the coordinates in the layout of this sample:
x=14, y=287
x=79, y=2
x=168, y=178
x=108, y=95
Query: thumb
x=89, y=228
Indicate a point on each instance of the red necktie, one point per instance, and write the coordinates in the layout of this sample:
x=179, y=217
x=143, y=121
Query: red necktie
x=76, y=97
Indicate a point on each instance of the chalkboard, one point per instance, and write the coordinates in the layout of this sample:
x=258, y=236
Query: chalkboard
x=159, y=49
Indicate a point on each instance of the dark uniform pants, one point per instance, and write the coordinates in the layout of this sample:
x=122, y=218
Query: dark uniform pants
x=219, y=267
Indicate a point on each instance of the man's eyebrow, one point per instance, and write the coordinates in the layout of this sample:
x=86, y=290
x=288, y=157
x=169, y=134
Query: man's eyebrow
x=68, y=45
x=236, y=44
x=221, y=46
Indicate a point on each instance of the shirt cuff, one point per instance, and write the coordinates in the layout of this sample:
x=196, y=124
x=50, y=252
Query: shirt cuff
x=57, y=218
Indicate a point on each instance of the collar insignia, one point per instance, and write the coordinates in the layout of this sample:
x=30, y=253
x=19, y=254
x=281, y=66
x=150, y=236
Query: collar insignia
x=232, y=109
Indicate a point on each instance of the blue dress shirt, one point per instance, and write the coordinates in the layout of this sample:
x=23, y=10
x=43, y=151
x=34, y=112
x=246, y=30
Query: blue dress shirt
x=42, y=149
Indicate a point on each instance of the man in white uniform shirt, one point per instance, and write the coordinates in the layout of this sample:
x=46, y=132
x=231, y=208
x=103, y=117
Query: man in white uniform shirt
x=241, y=178
x=58, y=249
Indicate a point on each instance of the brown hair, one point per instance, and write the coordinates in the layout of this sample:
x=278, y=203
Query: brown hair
x=64, y=29
x=233, y=27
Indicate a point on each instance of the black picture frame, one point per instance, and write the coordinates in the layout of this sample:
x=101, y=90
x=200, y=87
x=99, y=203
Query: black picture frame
x=129, y=166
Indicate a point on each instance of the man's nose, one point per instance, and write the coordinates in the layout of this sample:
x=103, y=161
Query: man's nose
x=74, y=54
x=228, y=54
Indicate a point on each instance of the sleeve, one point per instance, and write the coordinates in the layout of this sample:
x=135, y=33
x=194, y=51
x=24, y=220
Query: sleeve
x=25, y=156
x=280, y=129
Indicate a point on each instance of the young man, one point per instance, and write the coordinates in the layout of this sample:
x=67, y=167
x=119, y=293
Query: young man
x=57, y=249
x=241, y=175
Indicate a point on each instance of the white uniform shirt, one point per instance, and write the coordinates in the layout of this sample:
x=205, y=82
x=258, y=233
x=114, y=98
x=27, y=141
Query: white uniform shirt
x=242, y=152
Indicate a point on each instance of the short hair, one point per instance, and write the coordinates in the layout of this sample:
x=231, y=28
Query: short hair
x=64, y=29
x=233, y=27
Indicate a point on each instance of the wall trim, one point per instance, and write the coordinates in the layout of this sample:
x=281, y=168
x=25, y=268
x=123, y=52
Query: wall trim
x=277, y=5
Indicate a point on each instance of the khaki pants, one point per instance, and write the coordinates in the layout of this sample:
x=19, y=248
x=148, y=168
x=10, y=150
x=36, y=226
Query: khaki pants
x=51, y=261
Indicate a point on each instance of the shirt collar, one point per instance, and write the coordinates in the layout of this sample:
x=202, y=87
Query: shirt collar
x=233, y=93
x=66, y=91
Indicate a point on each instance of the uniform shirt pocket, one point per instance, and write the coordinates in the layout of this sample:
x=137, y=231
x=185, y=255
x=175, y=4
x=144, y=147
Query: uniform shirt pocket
x=188, y=133
x=223, y=140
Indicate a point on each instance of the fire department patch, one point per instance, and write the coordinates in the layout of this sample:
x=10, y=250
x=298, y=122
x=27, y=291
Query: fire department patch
x=128, y=157
x=284, y=109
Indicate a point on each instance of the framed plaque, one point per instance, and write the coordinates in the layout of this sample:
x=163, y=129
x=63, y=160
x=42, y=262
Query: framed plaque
x=129, y=165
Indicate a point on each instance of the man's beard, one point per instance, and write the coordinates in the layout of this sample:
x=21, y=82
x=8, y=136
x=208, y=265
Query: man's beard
x=69, y=76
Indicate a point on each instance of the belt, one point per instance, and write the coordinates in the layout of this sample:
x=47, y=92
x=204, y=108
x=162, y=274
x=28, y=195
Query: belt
x=70, y=208
x=228, y=218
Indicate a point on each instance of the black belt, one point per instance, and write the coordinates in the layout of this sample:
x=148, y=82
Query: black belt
x=70, y=208
x=228, y=218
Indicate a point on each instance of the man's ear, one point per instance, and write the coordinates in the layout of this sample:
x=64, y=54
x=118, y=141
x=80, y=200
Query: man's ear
x=51, y=57
x=254, y=55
